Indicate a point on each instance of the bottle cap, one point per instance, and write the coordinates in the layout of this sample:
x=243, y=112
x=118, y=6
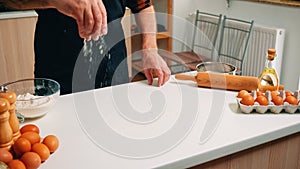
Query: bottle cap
x=271, y=51
x=271, y=54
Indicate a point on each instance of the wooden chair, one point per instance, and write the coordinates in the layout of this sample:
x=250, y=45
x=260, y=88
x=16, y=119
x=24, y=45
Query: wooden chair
x=205, y=33
x=234, y=38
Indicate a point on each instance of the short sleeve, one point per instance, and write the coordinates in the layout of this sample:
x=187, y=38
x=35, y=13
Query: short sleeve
x=138, y=5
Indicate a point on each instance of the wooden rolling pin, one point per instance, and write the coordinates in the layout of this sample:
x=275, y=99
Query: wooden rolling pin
x=222, y=81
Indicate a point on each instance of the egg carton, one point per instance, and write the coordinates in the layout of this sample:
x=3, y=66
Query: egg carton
x=271, y=107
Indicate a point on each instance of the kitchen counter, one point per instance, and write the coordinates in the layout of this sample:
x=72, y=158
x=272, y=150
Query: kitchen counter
x=17, y=14
x=139, y=126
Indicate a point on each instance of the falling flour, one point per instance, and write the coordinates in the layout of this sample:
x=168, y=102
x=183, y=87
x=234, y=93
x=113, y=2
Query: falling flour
x=93, y=52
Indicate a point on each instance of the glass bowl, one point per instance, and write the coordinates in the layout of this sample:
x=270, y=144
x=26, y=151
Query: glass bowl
x=35, y=97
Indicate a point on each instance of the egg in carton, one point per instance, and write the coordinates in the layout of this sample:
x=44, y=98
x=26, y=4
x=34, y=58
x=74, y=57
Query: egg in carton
x=248, y=108
x=256, y=107
x=290, y=108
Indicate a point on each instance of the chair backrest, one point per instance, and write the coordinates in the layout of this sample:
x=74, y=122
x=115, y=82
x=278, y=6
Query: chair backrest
x=205, y=33
x=234, y=38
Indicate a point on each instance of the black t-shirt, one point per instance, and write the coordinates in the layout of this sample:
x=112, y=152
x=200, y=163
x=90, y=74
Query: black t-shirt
x=58, y=46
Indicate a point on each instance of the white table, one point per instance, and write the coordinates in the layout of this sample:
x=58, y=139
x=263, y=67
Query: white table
x=116, y=127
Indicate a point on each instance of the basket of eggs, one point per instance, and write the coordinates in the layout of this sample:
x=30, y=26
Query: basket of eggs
x=270, y=101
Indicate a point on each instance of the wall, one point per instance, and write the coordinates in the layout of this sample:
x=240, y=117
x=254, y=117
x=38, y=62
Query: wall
x=263, y=14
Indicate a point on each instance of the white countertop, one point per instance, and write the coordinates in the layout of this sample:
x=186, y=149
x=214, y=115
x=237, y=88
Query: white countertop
x=18, y=14
x=138, y=126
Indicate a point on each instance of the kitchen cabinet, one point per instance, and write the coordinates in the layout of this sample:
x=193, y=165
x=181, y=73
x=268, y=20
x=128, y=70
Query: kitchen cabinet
x=17, y=45
x=283, y=153
x=163, y=9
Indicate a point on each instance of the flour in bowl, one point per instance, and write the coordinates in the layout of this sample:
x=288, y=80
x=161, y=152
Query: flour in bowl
x=32, y=106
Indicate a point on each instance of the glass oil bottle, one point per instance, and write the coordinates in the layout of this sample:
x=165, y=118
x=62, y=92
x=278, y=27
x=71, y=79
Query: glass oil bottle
x=269, y=78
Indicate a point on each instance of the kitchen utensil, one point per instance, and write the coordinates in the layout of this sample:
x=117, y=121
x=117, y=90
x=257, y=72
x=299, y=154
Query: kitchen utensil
x=217, y=67
x=222, y=81
x=11, y=97
x=5, y=130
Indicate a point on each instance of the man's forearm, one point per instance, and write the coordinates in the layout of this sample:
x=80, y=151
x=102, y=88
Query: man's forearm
x=147, y=24
x=26, y=4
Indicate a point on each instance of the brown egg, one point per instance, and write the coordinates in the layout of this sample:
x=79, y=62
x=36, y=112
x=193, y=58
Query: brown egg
x=21, y=145
x=248, y=100
x=288, y=93
x=16, y=164
x=277, y=100
x=31, y=160
x=274, y=94
x=262, y=100
x=42, y=150
x=5, y=155
x=242, y=93
x=291, y=100
x=30, y=127
x=51, y=142
x=32, y=136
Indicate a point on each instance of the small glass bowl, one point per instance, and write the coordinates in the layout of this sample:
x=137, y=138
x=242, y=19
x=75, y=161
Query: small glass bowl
x=35, y=97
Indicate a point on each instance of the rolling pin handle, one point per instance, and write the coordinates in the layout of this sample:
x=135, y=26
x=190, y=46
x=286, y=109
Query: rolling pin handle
x=185, y=77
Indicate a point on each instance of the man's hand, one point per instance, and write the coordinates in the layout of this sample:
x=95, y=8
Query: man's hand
x=90, y=16
x=154, y=65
